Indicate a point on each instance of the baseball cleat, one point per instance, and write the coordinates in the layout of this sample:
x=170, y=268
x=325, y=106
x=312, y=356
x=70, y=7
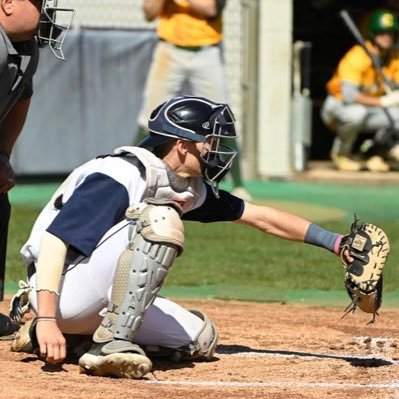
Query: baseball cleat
x=117, y=359
x=122, y=365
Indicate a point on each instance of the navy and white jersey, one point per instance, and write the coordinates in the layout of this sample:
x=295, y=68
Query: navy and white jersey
x=95, y=196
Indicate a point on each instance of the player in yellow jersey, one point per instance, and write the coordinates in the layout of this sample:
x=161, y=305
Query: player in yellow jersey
x=187, y=56
x=357, y=96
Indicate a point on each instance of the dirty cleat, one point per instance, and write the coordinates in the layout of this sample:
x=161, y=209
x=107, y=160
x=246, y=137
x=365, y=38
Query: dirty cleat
x=346, y=164
x=25, y=338
x=117, y=359
x=377, y=164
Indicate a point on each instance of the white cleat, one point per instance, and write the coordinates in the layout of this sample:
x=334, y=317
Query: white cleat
x=121, y=365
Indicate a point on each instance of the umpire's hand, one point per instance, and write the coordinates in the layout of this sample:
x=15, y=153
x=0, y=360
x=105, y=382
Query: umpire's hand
x=7, y=176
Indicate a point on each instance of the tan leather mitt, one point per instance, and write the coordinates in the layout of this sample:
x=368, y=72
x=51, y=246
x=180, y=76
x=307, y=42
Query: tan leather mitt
x=369, y=246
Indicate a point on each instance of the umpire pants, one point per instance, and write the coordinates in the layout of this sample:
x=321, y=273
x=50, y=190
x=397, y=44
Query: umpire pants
x=5, y=211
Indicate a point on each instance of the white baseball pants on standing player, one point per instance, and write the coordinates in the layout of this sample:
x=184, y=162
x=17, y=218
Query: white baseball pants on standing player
x=173, y=67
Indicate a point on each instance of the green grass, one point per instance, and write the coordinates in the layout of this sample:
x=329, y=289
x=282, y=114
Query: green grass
x=226, y=254
x=225, y=260
x=22, y=219
x=220, y=254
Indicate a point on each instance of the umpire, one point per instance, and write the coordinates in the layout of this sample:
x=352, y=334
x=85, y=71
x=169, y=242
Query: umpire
x=25, y=25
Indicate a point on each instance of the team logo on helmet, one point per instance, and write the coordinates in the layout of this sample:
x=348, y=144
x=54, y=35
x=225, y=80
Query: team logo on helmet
x=387, y=20
x=206, y=125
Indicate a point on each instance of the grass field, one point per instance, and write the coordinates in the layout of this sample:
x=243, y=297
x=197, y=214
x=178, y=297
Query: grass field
x=228, y=260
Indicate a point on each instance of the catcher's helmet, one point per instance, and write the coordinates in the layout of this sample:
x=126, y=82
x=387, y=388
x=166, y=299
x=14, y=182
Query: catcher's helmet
x=53, y=26
x=382, y=21
x=196, y=119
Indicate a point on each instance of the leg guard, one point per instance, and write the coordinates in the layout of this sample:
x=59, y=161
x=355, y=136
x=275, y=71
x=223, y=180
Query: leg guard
x=202, y=348
x=156, y=238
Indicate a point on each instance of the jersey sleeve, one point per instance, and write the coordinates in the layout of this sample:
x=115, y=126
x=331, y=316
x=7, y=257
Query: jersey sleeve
x=94, y=207
x=225, y=208
x=354, y=65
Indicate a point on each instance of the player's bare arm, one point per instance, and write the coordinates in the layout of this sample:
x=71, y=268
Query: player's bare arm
x=207, y=8
x=291, y=227
x=274, y=221
x=152, y=8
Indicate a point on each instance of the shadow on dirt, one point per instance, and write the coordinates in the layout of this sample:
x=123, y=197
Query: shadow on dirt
x=353, y=360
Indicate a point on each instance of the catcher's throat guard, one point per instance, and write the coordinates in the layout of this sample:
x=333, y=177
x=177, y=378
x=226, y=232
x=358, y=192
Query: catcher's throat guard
x=368, y=245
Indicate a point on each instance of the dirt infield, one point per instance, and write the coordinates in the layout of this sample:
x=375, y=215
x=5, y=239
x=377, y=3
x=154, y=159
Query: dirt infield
x=265, y=351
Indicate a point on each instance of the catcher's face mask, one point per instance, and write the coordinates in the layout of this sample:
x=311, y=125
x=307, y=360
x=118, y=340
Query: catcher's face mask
x=217, y=158
x=201, y=120
x=53, y=26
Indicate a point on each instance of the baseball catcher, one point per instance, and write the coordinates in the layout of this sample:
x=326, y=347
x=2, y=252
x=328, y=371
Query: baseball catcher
x=368, y=245
x=102, y=247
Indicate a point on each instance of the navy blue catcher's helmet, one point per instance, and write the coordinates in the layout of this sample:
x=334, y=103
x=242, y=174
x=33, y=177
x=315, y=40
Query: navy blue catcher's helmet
x=196, y=119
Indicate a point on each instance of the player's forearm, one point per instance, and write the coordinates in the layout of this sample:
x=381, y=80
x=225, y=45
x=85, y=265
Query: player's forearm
x=12, y=125
x=207, y=8
x=290, y=227
x=49, y=268
x=47, y=304
x=274, y=221
x=152, y=8
x=367, y=100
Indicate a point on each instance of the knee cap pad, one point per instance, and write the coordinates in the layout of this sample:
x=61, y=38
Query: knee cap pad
x=158, y=223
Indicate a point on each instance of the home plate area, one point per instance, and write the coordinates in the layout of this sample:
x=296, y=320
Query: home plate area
x=265, y=351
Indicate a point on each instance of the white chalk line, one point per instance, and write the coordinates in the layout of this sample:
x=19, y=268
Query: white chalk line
x=394, y=385
x=277, y=384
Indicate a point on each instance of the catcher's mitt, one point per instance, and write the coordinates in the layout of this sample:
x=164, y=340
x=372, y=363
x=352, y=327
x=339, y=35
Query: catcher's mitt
x=369, y=246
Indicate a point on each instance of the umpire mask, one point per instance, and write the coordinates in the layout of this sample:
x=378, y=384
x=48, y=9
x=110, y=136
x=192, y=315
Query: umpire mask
x=201, y=120
x=53, y=26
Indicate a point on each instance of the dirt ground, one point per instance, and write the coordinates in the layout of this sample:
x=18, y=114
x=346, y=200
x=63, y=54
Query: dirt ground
x=265, y=351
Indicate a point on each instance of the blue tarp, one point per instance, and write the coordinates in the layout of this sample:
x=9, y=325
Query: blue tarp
x=87, y=105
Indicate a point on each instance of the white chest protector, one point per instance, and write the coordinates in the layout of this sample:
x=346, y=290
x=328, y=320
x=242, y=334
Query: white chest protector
x=160, y=181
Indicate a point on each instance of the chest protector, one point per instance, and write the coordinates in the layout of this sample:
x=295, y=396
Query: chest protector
x=163, y=183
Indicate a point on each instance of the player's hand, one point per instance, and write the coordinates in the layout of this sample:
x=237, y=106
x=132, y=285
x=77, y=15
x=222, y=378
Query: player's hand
x=346, y=257
x=390, y=100
x=51, y=341
x=7, y=177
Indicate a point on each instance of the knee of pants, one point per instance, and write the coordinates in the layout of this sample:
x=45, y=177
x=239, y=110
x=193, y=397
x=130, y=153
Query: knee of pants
x=354, y=115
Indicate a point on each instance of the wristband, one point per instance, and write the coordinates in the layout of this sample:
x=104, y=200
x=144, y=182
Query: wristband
x=320, y=237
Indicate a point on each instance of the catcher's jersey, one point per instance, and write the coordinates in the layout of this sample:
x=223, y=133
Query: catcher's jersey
x=95, y=196
x=356, y=68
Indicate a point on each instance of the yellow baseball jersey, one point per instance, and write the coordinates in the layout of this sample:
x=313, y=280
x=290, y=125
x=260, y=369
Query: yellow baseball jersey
x=356, y=67
x=182, y=26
